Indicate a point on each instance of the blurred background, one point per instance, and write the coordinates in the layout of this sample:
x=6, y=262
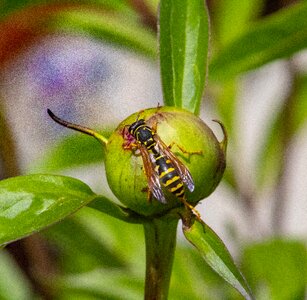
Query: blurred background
x=96, y=62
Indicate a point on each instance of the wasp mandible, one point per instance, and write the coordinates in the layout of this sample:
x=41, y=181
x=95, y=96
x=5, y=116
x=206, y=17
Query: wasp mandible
x=160, y=163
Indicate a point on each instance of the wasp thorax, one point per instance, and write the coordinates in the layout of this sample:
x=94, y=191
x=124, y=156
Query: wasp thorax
x=161, y=157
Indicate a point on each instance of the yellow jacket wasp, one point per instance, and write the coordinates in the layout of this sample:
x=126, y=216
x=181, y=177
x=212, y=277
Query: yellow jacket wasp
x=160, y=163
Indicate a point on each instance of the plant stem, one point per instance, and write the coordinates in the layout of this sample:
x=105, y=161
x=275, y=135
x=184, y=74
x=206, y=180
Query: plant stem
x=160, y=238
x=287, y=132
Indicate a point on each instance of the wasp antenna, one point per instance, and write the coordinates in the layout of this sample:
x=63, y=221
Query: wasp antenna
x=138, y=116
x=76, y=127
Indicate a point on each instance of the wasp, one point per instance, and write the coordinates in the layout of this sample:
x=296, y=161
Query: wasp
x=161, y=166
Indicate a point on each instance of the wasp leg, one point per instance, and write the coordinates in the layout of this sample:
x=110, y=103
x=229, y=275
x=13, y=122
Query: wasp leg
x=200, y=152
x=130, y=146
x=149, y=195
x=139, y=113
x=192, y=208
x=154, y=126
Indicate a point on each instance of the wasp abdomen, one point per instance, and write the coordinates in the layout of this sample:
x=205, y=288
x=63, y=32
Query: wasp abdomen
x=169, y=177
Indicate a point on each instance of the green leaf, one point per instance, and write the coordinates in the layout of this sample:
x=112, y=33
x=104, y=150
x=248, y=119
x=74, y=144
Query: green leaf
x=63, y=154
x=231, y=18
x=113, y=28
x=278, y=268
x=200, y=282
x=13, y=284
x=274, y=37
x=108, y=207
x=216, y=255
x=111, y=284
x=119, y=27
x=270, y=159
x=31, y=203
x=84, y=251
x=9, y=6
x=107, y=232
x=104, y=243
x=116, y=235
x=294, y=110
x=184, y=38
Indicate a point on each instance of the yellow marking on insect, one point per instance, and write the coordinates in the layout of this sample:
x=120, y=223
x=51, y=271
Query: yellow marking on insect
x=157, y=168
x=170, y=181
x=150, y=146
x=177, y=187
x=159, y=157
x=140, y=126
x=180, y=193
x=148, y=141
x=168, y=161
x=166, y=172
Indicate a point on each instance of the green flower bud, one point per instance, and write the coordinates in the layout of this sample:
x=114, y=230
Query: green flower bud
x=202, y=154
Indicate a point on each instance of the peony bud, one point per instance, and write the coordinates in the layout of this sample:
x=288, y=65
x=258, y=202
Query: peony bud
x=202, y=154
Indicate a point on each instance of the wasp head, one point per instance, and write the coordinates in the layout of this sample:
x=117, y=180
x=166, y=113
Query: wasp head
x=134, y=126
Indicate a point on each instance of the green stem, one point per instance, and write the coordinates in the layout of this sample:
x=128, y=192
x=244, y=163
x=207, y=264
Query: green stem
x=287, y=133
x=160, y=238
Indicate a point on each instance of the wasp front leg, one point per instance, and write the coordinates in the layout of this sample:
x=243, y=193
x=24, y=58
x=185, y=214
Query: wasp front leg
x=130, y=146
x=130, y=142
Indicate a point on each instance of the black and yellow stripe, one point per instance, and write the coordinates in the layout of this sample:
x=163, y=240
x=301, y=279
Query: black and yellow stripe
x=168, y=175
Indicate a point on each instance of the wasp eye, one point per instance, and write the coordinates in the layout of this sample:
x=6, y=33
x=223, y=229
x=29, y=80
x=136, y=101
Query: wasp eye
x=130, y=129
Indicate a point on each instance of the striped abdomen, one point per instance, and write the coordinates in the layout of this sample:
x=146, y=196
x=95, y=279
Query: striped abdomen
x=169, y=176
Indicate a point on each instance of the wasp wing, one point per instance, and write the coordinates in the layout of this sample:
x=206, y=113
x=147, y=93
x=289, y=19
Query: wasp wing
x=182, y=170
x=152, y=176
